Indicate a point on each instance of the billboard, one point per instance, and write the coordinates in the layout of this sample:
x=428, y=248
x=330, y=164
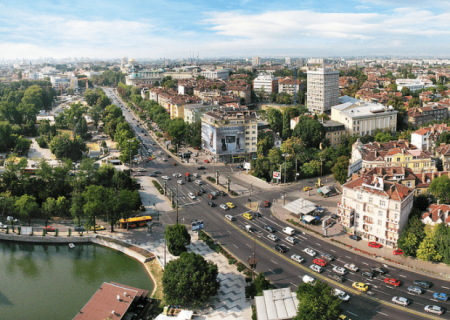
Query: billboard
x=276, y=175
x=223, y=140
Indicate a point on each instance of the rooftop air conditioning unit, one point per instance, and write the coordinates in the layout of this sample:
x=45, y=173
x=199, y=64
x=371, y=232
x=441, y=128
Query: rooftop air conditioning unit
x=118, y=297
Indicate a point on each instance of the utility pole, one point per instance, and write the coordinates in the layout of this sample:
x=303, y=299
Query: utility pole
x=285, y=156
x=177, y=203
x=296, y=167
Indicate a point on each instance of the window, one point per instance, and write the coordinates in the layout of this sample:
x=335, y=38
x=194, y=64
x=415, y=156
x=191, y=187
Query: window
x=247, y=132
x=247, y=143
x=398, y=159
x=396, y=206
x=360, y=196
x=247, y=138
x=358, y=207
x=408, y=184
x=356, y=224
x=396, y=216
x=380, y=222
x=253, y=143
x=253, y=132
x=370, y=199
x=380, y=213
x=345, y=192
x=382, y=203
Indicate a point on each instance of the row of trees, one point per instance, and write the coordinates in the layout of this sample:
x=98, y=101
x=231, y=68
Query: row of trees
x=85, y=194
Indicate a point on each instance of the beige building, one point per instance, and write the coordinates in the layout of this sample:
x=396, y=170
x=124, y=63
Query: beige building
x=375, y=209
x=364, y=118
x=195, y=112
x=230, y=134
x=323, y=90
x=334, y=131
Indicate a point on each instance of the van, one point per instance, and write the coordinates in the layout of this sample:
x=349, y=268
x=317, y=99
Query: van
x=288, y=230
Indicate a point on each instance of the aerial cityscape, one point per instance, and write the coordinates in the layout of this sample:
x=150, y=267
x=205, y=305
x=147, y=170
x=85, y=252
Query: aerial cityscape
x=225, y=160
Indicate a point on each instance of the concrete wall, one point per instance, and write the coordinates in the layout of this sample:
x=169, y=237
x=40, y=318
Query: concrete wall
x=47, y=239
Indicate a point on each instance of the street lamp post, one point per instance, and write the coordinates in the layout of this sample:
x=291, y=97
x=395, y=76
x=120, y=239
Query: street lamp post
x=129, y=141
x=284, y=198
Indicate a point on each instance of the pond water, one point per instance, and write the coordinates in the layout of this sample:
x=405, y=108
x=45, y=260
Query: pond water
x=55, y=282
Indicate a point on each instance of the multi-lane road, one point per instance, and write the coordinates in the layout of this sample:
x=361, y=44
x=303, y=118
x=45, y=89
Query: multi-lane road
x=278, y=267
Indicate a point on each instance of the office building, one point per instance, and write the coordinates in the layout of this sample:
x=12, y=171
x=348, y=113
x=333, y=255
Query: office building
x=266, y=82
x=323, y=90
x=256, y=61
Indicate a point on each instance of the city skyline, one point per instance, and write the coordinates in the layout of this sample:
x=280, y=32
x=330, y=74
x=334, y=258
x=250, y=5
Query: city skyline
x=173, y=29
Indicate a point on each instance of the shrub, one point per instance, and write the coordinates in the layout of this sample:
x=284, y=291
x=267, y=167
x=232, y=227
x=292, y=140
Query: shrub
x=211, y=179
x=231, y=261
x=19, y=230
x=233, y=193
x=69, y=232
x=41, y=142
x=217, y=249
x=158, y=186
x=240, y=267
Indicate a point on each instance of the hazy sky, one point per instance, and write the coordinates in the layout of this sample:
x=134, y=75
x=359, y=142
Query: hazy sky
x=171, y=29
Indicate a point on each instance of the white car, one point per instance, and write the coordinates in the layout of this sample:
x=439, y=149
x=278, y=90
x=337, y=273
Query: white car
x=180, y=182
x=196, y=175
x=198, y=182
x=339, y=270
x=310, y=252
x=351, y=266
x=308, y=279
x=164, y=159
x=291, y=240
x=297, y=258
x=142, y=170
x=177, y=175
x=434, y=309
x=192, y=196
x=341, y=295
x=316, y=268
x=224, y=207
x=165, y=178
x=272, y=237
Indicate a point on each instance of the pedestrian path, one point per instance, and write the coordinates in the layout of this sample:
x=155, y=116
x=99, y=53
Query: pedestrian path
x=230, y=303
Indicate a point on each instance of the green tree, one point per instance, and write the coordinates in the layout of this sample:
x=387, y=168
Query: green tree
x=275, y=119
x=440, y=188
x=317, y=302
x=311, y=169
x=340, y=169
x=26, y=207
x=261, y=283
x=95, y=113
x=411, y=236
x=177, y=238
x=427, y=250
x=91, y=97
x=48, y=209
x=76, y=208
x=94, y=205
x=287, y=132
x=190, y=279
x=441, y=240
x=311, y=131
x=265, y=143
x=176, y=130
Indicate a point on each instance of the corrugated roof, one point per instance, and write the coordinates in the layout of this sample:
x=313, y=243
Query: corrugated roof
x=300, y=206
x=278, y=304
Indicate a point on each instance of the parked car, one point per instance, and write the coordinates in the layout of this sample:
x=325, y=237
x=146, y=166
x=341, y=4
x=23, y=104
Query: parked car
x=266, y=204
x=210, y=196
x=392, y=282
x=79, y=228
x=192, y=196
x=356, y=238
x=401, y=301
x=272, y=237
x=153, y=175
x=230, y=205
x=157, y=172
x=280, y=248
x=230, y=217
x=434, y=309
x=49, y=229
x=316, y=268
x=336, y=277
x=97, y=227
x=201, y=168
x=351, y=266
x=310, y=252
x=206, y=161
x=306, y=188
x=398, y=252
x=415, y=290
x=180, y=182
x=257, y=214
x=165, y=178
x=374, y=245
x=297, y=258
x=423, y=284
x=247, y=216
x=269, y=229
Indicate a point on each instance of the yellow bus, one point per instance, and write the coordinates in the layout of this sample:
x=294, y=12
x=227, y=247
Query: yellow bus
x=135, y=222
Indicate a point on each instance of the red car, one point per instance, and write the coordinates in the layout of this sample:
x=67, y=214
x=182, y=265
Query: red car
x=398, y=252
x=374, y=245
x=392, y=282
x=266, y=204
x=320, y=262
x=206, y=161
x=49, y=229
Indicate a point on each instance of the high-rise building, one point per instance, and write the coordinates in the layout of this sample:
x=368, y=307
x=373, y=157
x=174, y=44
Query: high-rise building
x=323, y=90
x=256, y=61
x=287, y=61
x=265, y=82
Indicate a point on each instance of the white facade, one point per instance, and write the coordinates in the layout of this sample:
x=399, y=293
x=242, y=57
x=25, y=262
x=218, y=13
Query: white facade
x=413, y=84
x=215, y=74
x=323, y=90
x=364, y=118
x=287, y=61
x=267, y=82
x=421, y=140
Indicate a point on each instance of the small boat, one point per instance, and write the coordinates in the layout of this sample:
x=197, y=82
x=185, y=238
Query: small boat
x=71, y=245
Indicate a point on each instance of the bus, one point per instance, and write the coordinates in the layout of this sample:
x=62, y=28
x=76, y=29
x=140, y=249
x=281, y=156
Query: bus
x=135, y=222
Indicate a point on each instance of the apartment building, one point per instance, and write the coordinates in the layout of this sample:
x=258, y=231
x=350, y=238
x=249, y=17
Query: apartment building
x=334, y=131
x=391, y=154
x=323, y=90
x=436, y=213
x=289, y=85
x=216, y=74
x=413, y=84
x=363, y=118
x=230, y=134
x=256, y=61
x=443, y=154
x=266, y=82
x=375, y=209
x=426, y=138
x=421, y=115
x=195, y=112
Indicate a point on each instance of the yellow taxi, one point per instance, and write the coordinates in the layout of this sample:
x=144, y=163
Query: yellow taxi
x=97, y=227
x=343, y=317
x=360, y=286
x=248, y=216
x=230, y=205
x=306, y=188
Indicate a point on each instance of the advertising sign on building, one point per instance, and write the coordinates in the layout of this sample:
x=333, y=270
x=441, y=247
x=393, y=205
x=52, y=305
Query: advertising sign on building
x=223, y=140
x=276, y=175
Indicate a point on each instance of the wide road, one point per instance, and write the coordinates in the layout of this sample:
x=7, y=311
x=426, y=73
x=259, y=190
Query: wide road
x=278, y=267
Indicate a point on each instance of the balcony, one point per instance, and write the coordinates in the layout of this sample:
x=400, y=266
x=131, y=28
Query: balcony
x=366, y=220
x=342, y=213
x=367, y=228
x=392, y=221
x=345, y=207
x=392, y=230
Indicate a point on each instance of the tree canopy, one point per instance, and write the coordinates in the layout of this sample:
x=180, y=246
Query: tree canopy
x=177, y=238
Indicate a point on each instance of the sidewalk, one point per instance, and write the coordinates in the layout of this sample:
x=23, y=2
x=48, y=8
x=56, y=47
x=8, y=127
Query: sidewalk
x=437, y=270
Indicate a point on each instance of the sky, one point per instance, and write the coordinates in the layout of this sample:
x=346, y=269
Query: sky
x=172, y=29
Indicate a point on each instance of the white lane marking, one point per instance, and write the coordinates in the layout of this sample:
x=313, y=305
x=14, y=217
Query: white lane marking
x=430, y=290
x=274, y=262
x=302, y=237
x=445, y=287
x=235, y=246
x=434, y=300
x=248, y=245
x=318, y=244
x=419, y=303
x=402, y=276
x=352, y=313
x=369, y=279
x=294, y=284
x=384, y=314
x=381, y=292
x=272, y=271
x=219, y=233
x=229, y=231
x=348, y=257
x=365, y=263
x=332, y=250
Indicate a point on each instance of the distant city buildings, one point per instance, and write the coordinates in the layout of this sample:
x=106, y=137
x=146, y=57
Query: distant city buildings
x=413, y=84
x=323, y=90
x=265, y=82
x=256, y=61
